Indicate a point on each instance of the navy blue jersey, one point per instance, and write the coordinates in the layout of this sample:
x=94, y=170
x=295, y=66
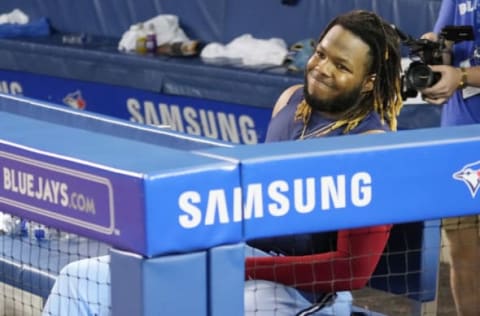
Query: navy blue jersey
x=283, y=127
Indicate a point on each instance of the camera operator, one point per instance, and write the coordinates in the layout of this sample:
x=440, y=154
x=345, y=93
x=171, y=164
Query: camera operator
x=459, y=91
x=452, y=79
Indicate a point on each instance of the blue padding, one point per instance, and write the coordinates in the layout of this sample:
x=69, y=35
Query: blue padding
x=173, y=220
x=124, y=180
x=226, y=272
x=90, y=146
x=33, y=266
x=222, y=20
x=126, y=281
x=97, y=123
x=394, y=192
x=174, y=285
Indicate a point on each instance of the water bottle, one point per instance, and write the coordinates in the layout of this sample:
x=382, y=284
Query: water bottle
x=151, y=40
x=17, y=227
x=140, y=45
x=38, y=232
x=22, y=227
x=140, y=38
x=41, y=232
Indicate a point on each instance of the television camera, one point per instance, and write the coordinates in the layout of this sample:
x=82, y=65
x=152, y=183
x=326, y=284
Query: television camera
x=424, y=52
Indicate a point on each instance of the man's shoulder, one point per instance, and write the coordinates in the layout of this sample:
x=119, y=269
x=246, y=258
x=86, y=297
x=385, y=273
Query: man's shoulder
x=283, y=99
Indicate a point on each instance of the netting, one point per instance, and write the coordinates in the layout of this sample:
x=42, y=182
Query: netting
x=32, y=256
x=319, y=274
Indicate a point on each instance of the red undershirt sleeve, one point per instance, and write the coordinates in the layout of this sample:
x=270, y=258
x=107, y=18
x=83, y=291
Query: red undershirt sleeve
x=348, y=268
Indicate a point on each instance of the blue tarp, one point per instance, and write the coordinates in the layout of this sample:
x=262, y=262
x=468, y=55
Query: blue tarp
x=39, y=27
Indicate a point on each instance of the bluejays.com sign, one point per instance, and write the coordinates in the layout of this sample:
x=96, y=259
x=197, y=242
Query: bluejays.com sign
x=57, y=192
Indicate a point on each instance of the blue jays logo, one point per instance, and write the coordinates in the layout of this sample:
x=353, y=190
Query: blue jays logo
x=75, y=100
x=470, y=175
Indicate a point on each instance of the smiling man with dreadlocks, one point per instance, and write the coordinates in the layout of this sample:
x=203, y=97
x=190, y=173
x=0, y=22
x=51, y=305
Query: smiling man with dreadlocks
x=352, y=86
x=352, y=83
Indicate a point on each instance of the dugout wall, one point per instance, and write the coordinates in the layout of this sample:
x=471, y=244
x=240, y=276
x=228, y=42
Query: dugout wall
x=179, y=92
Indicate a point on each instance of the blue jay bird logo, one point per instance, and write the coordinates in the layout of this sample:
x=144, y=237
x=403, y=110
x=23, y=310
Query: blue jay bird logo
x=75, y=100
x=470, y=175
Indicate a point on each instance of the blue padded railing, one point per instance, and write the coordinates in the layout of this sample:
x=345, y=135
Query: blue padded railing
x=403, y=271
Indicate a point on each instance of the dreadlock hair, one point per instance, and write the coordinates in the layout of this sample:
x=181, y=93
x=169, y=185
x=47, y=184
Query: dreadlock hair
x=385, y=63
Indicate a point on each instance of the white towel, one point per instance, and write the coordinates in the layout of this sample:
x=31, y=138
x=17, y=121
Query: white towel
x=15, y=17
x=249, y=51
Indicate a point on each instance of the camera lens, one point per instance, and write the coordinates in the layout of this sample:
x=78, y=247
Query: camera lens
x=421, y=76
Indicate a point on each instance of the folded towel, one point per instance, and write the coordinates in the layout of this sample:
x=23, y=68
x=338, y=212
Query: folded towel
x=248, y=51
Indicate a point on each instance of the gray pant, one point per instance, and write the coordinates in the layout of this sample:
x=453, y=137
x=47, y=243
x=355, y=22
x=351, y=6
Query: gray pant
x=83, y=289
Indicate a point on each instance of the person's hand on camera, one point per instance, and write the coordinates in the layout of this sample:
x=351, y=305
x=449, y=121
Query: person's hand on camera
x=431, y=36
x=449, y=82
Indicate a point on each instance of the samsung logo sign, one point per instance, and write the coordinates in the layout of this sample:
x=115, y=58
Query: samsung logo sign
x=275, y=199
x=221, y=125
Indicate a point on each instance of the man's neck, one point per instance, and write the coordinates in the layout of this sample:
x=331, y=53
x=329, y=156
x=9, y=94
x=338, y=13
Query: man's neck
x=330, y=115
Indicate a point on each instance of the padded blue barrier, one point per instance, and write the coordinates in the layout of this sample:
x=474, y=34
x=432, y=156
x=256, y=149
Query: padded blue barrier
x=174, y=285
x=49, y=112
x=209, y=283
x=196, y=214
x=362, y=178
x=108, y=180
x=226, y=280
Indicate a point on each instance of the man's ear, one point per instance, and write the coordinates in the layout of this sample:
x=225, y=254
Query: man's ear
x=369, y=83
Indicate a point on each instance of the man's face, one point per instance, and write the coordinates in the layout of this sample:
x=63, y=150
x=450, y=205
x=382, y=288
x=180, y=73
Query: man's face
x=336, y=74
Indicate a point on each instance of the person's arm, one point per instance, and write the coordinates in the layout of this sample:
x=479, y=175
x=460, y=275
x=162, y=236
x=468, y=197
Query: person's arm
x=452, y=78
x=349, y=267
x=472, y=77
